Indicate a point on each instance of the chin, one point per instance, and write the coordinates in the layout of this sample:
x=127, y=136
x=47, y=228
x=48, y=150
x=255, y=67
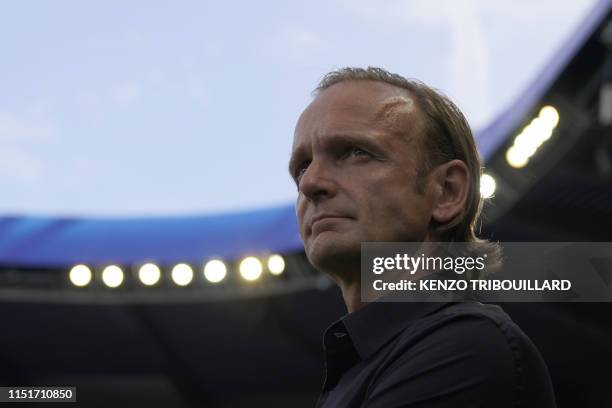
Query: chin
x=329, y=254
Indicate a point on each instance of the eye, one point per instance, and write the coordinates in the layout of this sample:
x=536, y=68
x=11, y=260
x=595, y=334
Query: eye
x=301, y=169
x=357, y=151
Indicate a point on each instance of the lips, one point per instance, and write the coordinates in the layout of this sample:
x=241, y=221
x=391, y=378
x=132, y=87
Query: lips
x=324, y=216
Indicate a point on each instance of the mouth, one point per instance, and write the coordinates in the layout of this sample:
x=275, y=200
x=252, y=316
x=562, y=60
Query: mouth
x=320, y=219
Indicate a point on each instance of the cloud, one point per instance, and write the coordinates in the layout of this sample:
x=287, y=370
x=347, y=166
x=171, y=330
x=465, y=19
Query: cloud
x=536, y=12
x=133, y=39
x=197, y=90
x=423, y=12
x=428, y=13
x=15, y=129
x=298, y=43
x=18, y=136
x=18, y=166
x=302, y=37
x=126, y=94
x=92, y=104
x=155, y=76
x=470, y=63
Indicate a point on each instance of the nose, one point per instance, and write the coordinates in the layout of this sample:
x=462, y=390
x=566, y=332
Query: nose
x=317, y=182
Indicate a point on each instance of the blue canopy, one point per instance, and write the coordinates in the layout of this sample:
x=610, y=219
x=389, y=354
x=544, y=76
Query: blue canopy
x=60, y=242
x=64, y=241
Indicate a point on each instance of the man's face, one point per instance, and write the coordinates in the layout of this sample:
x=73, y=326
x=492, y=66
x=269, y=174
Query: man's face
x=355, y=161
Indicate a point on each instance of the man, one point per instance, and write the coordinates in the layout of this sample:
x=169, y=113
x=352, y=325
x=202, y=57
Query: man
x=377, y=157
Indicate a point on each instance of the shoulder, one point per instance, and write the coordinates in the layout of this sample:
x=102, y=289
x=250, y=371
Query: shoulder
x=470, y=350
x=470, y=324
x=488, y=329
x=475, y=323
x=465, y=325
x=465, y=340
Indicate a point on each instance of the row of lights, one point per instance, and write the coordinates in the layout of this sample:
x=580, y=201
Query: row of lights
x=525, y=145
x=527, y=142
x=149, y=274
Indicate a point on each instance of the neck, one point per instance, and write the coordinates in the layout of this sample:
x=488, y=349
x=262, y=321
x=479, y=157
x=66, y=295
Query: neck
x=351, y=292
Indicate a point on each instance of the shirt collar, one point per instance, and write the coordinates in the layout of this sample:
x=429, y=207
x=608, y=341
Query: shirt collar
x=373, y=325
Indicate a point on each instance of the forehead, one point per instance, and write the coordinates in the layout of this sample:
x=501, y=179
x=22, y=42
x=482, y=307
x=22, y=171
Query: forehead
x=357, y=106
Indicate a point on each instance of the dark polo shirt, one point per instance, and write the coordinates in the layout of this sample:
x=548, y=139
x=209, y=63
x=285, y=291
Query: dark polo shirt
x=404, y=354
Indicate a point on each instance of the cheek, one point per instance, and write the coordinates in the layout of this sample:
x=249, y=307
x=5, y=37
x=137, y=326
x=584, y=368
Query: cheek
x=300, y=212
x=394, y=206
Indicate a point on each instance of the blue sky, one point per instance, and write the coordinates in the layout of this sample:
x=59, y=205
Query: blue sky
x=137, y=108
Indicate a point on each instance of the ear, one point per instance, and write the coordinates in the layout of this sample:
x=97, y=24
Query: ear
x=451, y=185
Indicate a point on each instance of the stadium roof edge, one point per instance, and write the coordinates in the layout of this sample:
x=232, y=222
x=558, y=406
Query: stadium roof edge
x=61, y=242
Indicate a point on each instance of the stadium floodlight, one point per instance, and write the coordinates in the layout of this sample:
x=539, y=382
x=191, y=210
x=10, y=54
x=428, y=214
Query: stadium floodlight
x=80, y=275
x=276, y=264
x=215, y=271
x=516, y=158
x=527, y=142
x=487, y=186
x=182, y=274
x=250, y=268
x=550, y=115
x=149, y=274
x=112, y=276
